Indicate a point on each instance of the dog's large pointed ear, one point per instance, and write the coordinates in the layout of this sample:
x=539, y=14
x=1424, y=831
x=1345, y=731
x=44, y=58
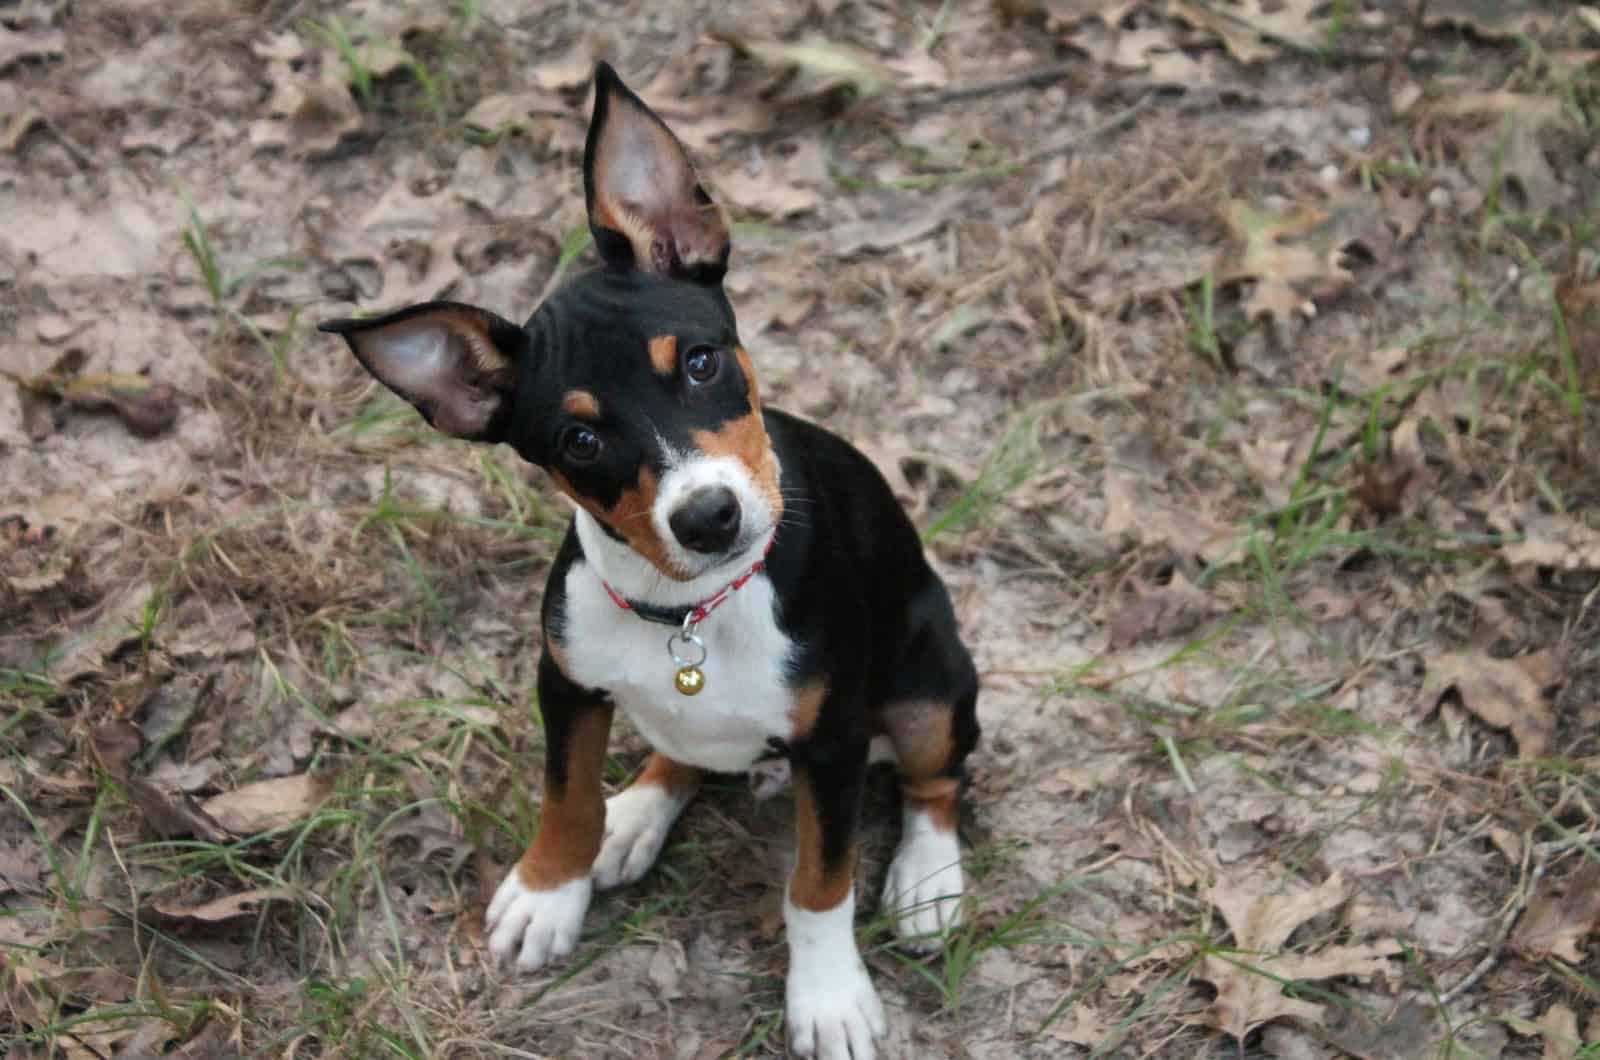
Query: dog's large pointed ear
x=456, y=363
x=646, y=206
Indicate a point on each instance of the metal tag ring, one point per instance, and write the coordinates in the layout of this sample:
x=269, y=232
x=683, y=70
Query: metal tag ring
x=692, y=639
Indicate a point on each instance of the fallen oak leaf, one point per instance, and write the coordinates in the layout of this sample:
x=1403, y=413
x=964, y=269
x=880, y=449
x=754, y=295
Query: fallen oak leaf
x=1251, y=30
x=1169, y=610
x=15, y=47
x=1549, y=540
x=1491, y=19
x=1503, y=693
x=1294, y=259
x=1250, y=985
x=114, y=743
x=1559, y=1028
x=173, y=816
x=228, y=907
x=761, y=194
x=1560, y=915
x=506, y=111
x=814, y=66
x=269, y=804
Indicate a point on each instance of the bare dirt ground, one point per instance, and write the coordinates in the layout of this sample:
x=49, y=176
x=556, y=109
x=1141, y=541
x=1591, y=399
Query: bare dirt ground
x=1240, y=359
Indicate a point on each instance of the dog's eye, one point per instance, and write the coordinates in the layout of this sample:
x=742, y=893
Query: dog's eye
x=580, y=445
x=701, y=364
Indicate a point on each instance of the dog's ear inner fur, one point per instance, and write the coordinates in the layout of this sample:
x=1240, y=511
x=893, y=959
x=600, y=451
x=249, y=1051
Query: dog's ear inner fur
x=647, y=209
x=456, y=363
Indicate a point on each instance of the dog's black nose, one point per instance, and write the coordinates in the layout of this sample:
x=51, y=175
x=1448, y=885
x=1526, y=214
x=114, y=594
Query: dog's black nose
x=707, y=520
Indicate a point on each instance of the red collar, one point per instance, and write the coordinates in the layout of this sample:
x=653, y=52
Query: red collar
x=691, y=615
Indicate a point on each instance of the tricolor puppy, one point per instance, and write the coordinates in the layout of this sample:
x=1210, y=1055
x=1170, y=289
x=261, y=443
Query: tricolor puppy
x=741, y=583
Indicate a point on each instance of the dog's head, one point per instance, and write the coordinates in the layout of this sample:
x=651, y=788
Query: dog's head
x=629, y=384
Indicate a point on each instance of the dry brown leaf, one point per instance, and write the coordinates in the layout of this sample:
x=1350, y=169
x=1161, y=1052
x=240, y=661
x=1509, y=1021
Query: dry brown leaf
x=1560, y=915
x=269, y=804
x=1493, y=19
x=1150, y=51
x=225, y=908
x=15, y=47
x=121, y=622
x=1382, y=488
x=1406, y=1033
x=1507, y=155
x=814, y=66
x=1271, y=463
x=307, y=115
x=173, y=816
x=1082, y=1026
x=905, y=218
x=1250, y=992
x=1580, y=309
x=1504, y=693
x=574, y=69
x=1559, y=1028
x=763, y=194
x=1251, y=29
x=114, y=743
x=510, y=110
x=1171, y=610
x=1136, y=510
x=1548, y=540
x=417, y=271
x=1291, y=266
x=22, y=866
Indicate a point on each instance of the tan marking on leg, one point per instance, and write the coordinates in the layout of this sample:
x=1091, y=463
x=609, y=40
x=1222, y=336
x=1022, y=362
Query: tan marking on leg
x=664, y=354
x=582, y=404
x=573, y=820
x=922, y=732
x=629, y=517
x=745, y=439
x=937, y=798
x=669, y=774
x=804, y=709
x=812, y=886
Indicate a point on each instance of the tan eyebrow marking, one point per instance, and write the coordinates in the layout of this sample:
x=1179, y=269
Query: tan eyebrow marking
x=581, y=403
x=664, y=354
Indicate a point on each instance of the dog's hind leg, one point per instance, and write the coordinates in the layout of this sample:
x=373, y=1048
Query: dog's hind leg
x=932, y=725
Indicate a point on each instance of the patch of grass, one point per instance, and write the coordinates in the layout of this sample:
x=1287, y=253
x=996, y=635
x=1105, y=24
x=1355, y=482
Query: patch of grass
x=224, y=285
x=338, y=35
x=1008, y=465
x=949, y=974
x=1201, y=308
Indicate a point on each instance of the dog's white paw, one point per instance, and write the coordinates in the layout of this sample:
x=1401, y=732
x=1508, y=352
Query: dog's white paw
x=637, y=823
x=923, y=889
x=832, y=1010
x=535, y=927
x=834, y=1013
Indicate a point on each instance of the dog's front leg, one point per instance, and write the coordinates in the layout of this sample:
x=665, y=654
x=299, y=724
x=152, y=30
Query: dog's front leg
x=537, y=913
x=832, y=1010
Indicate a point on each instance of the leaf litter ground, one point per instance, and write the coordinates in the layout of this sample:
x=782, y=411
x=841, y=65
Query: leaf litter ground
x=1239, y=361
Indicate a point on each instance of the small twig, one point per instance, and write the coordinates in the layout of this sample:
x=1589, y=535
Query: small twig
x=1508, y=921
x=1038, y=77
x=1111, y=124
x=81, y=156
x=1567, y=842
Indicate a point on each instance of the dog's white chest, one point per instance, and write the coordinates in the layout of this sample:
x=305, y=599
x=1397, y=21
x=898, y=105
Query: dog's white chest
x=744, y=702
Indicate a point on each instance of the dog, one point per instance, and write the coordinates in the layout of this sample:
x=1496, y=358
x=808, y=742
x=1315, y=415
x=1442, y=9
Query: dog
x=740, y=582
